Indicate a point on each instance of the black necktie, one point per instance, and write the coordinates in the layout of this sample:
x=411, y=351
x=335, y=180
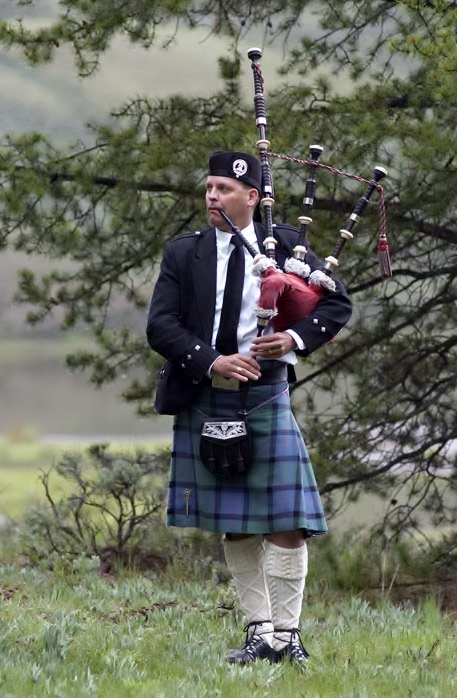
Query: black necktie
x=226, y=340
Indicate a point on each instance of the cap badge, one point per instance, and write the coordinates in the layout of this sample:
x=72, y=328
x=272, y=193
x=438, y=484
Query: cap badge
x=240, y=167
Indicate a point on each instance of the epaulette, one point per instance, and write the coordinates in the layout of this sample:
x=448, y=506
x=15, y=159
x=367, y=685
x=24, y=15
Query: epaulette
x=286, y=226
x=189, y=234
x=280, y=226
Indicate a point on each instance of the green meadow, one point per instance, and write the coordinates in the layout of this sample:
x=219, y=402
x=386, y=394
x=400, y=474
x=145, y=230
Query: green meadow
x=69, y=631
x=72, y=633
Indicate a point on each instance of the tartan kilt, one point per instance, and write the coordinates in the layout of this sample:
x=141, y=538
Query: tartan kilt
x=279, y=493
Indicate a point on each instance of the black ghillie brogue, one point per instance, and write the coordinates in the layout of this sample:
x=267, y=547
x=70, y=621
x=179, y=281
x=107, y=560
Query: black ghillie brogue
x=294, y=651
x=255, y=646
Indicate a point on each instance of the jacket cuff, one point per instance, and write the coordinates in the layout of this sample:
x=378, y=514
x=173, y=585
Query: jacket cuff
x=197, y=360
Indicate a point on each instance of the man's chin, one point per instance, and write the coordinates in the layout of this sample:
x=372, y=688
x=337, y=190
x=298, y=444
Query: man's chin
x=215, y=218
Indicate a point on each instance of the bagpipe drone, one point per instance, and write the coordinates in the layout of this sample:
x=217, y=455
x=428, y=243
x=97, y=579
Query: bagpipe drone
x=292, y=293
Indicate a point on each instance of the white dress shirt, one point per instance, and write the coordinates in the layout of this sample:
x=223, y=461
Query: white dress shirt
x=247, y=326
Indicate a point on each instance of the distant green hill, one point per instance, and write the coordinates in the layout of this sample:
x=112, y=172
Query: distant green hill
x=44, y=9
x=52, y=99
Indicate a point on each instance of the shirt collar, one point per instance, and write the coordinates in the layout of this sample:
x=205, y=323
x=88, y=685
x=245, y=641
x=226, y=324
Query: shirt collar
x=223, y=238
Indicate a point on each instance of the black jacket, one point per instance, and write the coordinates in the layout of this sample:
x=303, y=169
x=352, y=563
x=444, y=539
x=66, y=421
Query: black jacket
x=181, y=313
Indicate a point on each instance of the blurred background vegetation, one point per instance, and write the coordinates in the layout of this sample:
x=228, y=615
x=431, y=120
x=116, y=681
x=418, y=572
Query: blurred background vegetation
x=38, y=394
x=374, y=81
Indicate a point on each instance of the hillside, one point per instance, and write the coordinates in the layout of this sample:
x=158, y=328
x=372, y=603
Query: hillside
x=52, y=99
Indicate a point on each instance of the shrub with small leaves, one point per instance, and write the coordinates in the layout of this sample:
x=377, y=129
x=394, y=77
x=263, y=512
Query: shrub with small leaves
x=100, y=504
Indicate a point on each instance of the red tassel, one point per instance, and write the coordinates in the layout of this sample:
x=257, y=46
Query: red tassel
x=384, y=256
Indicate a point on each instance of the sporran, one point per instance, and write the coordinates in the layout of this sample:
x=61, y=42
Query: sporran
x=225, y=447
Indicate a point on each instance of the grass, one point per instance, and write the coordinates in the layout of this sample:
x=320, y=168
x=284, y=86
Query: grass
x=71, y=634
x=22, y=459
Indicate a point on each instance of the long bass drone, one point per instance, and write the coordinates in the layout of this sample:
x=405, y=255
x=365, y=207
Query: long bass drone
x=291, y=294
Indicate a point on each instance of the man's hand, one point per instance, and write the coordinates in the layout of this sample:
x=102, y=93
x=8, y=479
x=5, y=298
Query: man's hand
x=243, y=368
x=273, y=346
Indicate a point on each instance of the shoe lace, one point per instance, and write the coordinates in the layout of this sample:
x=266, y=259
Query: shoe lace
x=295, y=648
x=253, y=637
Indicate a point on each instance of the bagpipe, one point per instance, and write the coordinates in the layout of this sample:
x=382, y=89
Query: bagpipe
x=289, y=294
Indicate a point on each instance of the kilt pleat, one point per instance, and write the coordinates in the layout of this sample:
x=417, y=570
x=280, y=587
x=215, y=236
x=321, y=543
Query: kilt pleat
x=278, y=494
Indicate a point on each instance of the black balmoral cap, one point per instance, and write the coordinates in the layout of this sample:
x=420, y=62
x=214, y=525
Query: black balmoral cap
x=241, y=166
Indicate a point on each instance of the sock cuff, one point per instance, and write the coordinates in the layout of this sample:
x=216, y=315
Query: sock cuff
x=245, y=554
x=287, y=563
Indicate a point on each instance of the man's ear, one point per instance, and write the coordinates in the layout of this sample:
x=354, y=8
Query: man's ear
x=253, y=197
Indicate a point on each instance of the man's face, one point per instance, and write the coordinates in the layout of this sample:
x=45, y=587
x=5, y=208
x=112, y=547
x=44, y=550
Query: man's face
x=234, y=198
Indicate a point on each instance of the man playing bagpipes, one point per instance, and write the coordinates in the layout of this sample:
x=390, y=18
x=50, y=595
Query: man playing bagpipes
x=239, y=463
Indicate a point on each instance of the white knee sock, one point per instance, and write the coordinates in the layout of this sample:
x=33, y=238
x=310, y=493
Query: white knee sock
x=286, y=570
x=245, y=560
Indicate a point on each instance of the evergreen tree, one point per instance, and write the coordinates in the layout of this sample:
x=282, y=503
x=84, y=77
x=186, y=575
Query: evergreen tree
x=373, y=82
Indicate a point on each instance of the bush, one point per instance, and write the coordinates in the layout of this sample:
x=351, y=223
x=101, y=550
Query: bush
x=368, y=563
x=108, y=502
x=111, y=508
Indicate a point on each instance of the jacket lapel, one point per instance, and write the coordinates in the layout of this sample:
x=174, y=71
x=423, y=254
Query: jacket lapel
x=204, y=277
x=259, y=231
